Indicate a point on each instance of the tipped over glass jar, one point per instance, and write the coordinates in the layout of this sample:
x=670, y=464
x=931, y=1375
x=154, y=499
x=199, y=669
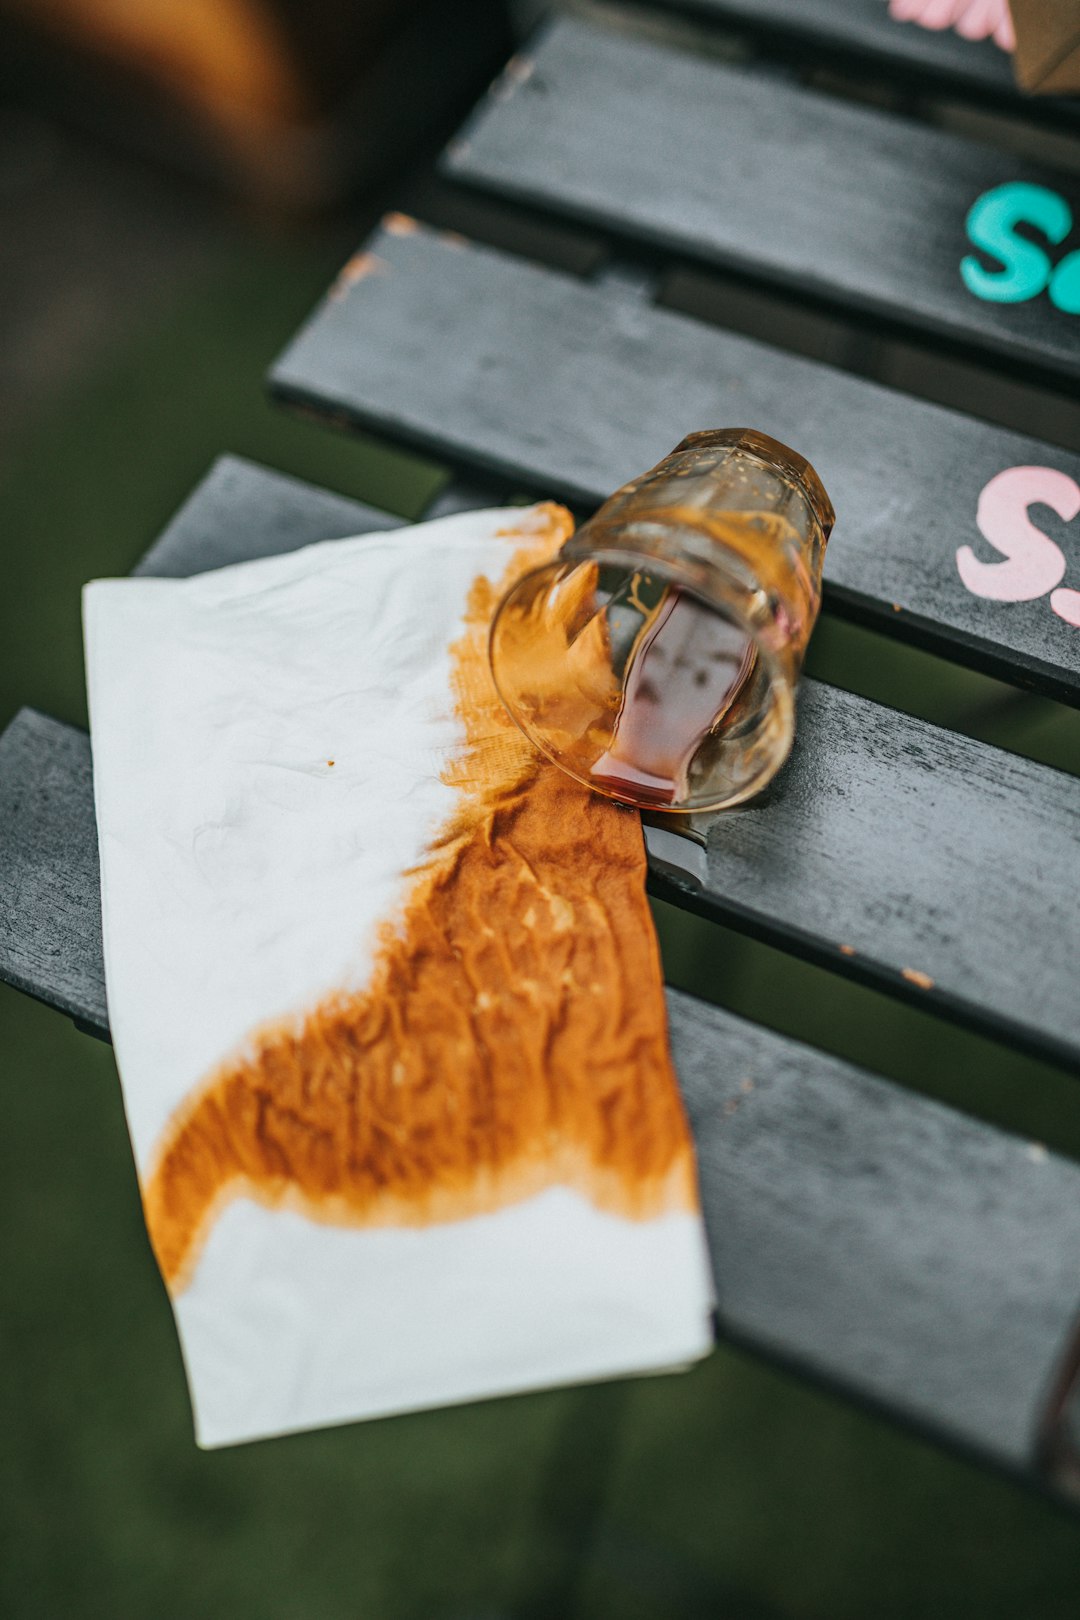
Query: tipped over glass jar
x=656, y=658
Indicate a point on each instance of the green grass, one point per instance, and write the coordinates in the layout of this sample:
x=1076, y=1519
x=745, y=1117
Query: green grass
x=728, y=1491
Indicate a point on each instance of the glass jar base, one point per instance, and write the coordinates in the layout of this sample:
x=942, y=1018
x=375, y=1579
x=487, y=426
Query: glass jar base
x=637, y=688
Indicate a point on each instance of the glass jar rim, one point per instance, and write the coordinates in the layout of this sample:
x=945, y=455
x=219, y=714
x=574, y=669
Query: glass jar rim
x=771, y=452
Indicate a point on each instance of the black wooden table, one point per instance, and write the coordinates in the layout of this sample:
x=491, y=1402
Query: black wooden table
x=906, y=1255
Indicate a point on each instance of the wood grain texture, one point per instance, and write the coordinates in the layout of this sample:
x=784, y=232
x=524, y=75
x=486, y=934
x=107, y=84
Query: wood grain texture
x=854, y=1226
x=50, y=901
x=445, y=346
x=861, y=1235
x=864, y=28
x=941, y=865
x=857, y=207
x=932, y=866
x=241, y=511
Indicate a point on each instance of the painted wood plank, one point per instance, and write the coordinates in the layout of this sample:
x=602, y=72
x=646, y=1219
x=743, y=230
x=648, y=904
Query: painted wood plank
x=865, y=28
x=857, y=207
x=864, y=1236
x=50, y=901
x=860, y=1231
x=241, y=511
x=913, y=859
x=570, y=389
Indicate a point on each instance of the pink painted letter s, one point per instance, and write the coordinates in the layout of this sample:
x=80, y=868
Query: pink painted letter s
x=1032, y=564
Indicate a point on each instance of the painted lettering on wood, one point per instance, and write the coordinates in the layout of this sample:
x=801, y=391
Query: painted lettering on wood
x=1029, y=563
x=1021, y=269
x=971, y=19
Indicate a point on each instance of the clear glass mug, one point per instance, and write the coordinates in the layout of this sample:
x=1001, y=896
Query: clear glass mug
x=656, y=658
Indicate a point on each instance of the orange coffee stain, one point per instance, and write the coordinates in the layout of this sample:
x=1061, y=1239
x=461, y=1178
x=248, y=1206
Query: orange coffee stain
x=512, y=1036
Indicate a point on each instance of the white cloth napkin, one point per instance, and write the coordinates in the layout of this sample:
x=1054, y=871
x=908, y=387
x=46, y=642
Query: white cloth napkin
x=273, y=747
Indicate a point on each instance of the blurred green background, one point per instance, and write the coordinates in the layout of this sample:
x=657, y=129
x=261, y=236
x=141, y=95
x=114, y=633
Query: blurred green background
x=728, y=1491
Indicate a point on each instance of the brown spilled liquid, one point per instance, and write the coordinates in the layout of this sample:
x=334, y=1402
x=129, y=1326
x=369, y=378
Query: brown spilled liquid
x=512, y=1036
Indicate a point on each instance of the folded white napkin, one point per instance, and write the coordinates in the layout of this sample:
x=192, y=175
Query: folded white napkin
x=384, y=996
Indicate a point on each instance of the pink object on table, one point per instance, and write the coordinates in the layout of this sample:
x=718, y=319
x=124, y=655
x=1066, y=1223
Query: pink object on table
x=1031, y=563
x=971, y=19
x=1066, y=604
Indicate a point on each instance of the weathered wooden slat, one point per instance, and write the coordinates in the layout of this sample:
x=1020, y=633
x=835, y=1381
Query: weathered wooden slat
x=240, y=511
x=50, y=901
x=860, y=1234
x=861, y=208
x=865, y=29
x=915, y=860
x=878, y=1240
x=570, y=389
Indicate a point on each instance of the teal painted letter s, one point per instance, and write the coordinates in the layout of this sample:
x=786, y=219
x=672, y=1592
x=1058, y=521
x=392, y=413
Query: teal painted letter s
x=1065, y=285
x=991, y=226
